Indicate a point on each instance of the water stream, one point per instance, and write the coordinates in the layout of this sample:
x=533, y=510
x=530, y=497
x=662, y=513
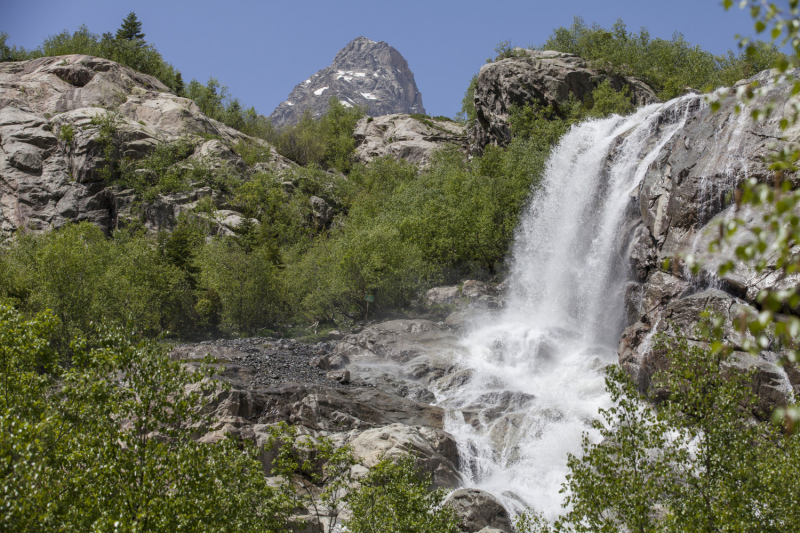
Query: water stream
x=535, y=371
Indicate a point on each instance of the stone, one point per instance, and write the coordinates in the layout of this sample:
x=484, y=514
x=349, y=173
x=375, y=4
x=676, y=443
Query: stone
x=407, y=137
x=442, y=295
x=546, y=77
x=477, y=510
x=339, y=361
x=435, y=451
x=476, y=289
x=321, y=211
x=364, y=73
x=322, y=362
x=342, y=375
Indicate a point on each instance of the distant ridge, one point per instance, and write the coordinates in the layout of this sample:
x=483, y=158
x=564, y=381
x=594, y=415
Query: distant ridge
x=364, y=73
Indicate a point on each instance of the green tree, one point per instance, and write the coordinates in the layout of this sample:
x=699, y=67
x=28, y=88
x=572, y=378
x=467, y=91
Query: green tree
x=395, y=497
x=131, y=29
x=112, y=446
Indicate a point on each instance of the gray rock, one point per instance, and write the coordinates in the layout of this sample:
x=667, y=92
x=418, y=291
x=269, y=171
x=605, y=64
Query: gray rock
x=48, y=180
x=436, y=451
x=477, y=510
x=364, y=73
x=342, y=375
x=442, y=295
x=405, y=137
x=546, y=77
x=322, y=212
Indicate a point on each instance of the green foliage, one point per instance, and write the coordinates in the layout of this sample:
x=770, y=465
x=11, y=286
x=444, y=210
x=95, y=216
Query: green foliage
x=13, y=53
x=468, y=115
x=326, y=142
x=252, y=152
x=66, y=133
x=697, y=462
x=668, y=65
x=504, y=50
x=604, y=101
x=247, y=284
x=112, y=447
x=131, y=29
x=319, y=468
x=83, y=278
x=394, y=496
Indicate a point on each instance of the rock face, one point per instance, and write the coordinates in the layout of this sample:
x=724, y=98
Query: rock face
x=546, y=77
x=51, y=158
x=405, y=137
x=677, y=209
x=364, y=73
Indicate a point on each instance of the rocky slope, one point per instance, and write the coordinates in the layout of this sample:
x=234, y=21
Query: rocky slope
x=51, y=155
x=546, y=77
x=364, y=73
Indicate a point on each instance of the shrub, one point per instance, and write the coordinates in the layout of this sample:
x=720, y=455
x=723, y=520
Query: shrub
x=247, y=284
x=112, y=446
x=394, y=496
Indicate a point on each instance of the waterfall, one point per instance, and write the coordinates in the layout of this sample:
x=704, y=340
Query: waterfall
x=535, y=372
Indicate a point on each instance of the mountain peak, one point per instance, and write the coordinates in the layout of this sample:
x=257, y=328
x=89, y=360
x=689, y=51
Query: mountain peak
x=364, y=73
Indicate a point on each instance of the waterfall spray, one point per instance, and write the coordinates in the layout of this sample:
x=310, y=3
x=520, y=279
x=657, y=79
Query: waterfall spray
x=536, y=370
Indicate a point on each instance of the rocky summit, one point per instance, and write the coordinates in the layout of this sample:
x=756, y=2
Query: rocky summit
x=364, y=73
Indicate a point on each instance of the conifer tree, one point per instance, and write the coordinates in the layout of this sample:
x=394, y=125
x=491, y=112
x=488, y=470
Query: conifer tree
x=131, y=28
x=179, y=86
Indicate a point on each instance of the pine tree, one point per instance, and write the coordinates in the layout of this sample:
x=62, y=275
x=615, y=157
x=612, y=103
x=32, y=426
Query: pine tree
x=179, y=87
x=131, y=28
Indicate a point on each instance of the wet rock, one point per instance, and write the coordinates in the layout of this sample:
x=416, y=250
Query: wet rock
x=477, y=510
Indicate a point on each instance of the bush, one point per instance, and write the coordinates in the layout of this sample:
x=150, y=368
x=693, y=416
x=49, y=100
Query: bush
x=247, y=284
x=394, y=496
x=326, y=142
x=112, y=446
x=83, y=278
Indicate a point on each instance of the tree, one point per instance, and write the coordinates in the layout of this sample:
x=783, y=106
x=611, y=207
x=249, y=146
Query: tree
x=697, y=461
x=110, y=445
x=395, y=497
x=131, y=29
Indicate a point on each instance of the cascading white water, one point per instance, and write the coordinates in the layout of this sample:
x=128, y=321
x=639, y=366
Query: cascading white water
x=535, y=372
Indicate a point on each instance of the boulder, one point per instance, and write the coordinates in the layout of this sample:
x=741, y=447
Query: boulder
x=477, y=510
x=435, y=450
x=546, y=77
x=342, y=375
x=442, y=295
x=406, y=137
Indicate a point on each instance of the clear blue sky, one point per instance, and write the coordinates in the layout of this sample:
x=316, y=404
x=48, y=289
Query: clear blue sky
x=262, y=49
